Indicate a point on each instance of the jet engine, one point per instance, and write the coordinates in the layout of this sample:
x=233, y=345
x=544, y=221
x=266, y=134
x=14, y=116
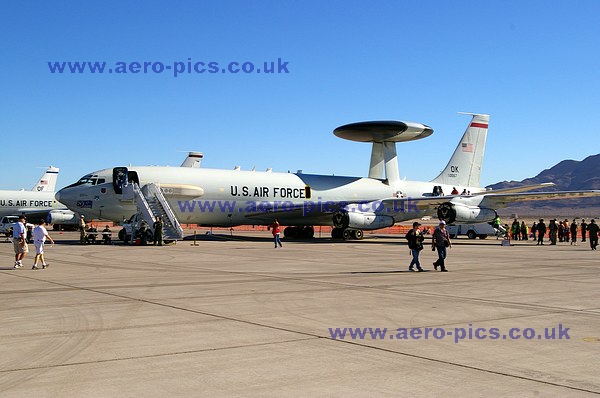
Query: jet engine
x=62, y=217
x=359, y=220
x=454, y=212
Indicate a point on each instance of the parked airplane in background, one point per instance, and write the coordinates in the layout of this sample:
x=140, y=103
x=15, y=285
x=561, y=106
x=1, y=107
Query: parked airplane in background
x=38, y=203
x=212, y=197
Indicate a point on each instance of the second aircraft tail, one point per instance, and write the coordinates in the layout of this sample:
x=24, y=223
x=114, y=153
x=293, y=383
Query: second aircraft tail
x=464, y=167
x=48, y=181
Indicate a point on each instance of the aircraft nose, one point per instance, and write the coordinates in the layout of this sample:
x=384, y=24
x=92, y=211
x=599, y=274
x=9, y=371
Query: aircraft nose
x=57, y=195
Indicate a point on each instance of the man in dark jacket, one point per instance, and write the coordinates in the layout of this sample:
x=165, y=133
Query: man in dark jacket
x=583, y=230
x=415, y=244
x=441, y=241
x=158, y=232
x=593, y=231
x=574, y=233
x=541, y=230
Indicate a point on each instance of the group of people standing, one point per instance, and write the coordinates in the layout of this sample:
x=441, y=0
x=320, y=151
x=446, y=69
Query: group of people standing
x=440, y=241
x=519, y=231
x=562, y=231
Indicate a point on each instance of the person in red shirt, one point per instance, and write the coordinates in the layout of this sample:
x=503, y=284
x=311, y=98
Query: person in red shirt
x=276, y=230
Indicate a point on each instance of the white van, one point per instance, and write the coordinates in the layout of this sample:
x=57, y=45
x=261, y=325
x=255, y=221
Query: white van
x=481, y=230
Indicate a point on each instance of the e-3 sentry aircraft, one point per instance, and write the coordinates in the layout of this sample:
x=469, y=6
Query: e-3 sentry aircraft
x=214, y=197
x=37, y=203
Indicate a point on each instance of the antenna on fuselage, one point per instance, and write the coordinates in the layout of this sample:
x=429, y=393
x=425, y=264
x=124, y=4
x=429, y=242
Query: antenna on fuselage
x=384, y=135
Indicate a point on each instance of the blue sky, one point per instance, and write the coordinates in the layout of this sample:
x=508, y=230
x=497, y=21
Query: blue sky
x=533, y=66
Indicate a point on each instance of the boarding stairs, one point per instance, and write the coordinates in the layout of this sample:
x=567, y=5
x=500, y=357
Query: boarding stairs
x=151, y=203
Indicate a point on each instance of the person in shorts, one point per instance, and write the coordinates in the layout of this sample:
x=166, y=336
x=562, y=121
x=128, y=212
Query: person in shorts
x=40, y=234
x=20, y=241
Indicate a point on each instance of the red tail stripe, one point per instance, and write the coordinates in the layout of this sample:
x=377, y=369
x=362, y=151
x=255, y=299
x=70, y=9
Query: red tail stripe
x=480, y=125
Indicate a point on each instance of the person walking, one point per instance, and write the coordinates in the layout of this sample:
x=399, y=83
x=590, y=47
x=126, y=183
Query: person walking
x=276, y=230
x=415, y=244
x=158, y=231
x=593, y=233
x=541, y=230
x=20, y=241
x=441, y=241
x=583, y=226
x=574, y=233
x=40, y=234
x=534, y=230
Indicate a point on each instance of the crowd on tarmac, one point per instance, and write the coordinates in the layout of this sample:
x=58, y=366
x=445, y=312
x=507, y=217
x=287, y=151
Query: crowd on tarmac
x=557, y=231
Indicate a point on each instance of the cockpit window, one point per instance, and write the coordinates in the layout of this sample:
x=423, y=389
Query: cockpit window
x=88, y=179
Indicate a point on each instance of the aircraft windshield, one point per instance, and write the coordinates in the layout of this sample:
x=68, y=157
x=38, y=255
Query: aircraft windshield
x=88, y=179
x=85, y=180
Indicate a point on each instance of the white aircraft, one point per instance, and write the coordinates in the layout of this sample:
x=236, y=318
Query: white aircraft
x=39, y=202
x=213, y=197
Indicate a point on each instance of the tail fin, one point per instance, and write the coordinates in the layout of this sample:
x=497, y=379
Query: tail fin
x=194, y=159
x=464, y=167
x=48, y=181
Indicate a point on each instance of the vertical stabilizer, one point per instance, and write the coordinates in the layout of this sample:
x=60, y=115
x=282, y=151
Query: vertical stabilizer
x=48, y=181
x=464, y=167
x=193, y=160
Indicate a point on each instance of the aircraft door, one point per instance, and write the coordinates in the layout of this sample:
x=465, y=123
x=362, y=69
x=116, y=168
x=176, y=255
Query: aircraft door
x=120, y=179
x=132, y=177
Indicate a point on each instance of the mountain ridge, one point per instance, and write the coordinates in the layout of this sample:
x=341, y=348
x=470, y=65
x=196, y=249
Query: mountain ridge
x=567, y=175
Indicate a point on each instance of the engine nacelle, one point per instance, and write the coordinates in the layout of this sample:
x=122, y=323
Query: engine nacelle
x=62, y=217
x=358, y=220
x=453, y=212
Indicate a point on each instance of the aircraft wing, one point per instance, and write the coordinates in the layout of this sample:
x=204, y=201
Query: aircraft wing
x=32, y=214
x=495, y=200
x=522, y=188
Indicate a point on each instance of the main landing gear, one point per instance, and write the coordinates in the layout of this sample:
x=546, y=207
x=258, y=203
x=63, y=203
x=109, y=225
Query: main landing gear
x=299, y=232
x=347, y=233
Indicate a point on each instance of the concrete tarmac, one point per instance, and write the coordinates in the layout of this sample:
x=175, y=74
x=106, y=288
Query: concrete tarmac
x=238, y=318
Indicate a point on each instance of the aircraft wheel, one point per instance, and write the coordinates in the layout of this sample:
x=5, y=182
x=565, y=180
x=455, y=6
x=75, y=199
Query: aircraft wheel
x=336, y=233
x=309, y=232
x=289, y=232
x=471, y=234
x=358, y=234
x=123, y=236
x=346, y=234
